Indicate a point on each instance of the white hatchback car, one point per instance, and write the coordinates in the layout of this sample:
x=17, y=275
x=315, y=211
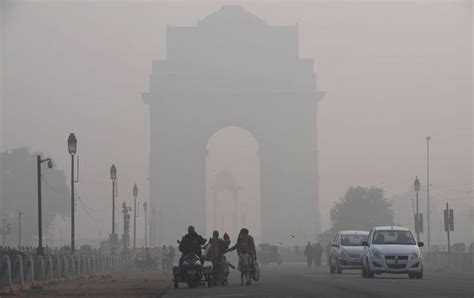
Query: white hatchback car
x=346, y=250
x=392, y=250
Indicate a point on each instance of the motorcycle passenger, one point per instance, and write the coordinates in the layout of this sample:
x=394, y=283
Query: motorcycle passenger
x=218, y=248
x=191, y=243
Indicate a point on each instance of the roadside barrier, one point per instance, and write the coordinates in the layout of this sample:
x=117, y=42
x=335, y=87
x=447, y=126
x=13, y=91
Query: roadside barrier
x=453, y=262
x=23, y=271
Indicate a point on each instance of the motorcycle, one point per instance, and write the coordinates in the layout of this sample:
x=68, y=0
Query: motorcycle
x=192, y=272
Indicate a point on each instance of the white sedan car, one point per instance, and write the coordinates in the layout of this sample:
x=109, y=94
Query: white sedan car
x=346, y=250
x=392, y=250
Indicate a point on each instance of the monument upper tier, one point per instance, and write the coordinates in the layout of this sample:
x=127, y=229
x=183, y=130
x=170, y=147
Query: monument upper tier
x=229, y=30
x=233, y=47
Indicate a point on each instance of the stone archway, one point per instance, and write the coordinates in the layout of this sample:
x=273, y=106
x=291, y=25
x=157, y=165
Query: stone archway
x=233, y=69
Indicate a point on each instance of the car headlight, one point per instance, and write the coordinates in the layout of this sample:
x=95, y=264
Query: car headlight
x=376, y=254
x=416, y=254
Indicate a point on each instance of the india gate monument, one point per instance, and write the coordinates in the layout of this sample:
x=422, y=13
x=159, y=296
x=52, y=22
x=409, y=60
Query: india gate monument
x=233, y=69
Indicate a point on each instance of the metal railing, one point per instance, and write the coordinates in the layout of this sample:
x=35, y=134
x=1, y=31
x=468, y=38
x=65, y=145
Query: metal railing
x=23, y=270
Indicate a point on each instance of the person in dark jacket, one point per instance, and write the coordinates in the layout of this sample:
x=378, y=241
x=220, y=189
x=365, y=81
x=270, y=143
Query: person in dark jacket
x=308, y=253
x=191, y=243
x=318, y=253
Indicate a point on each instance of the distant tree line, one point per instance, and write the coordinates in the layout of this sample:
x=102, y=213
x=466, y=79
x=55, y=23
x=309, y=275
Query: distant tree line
x=360, y=209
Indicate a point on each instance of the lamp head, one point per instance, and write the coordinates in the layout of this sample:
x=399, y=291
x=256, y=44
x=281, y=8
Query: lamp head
x=72, y=144
x=416, y=184
x=113, y=173
x=135, y=191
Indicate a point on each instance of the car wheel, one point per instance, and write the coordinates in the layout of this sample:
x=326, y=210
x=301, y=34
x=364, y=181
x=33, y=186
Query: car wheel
x=419, y=275
x=363, y=272
x=338, y=269
x=332, y=270
x=411, y=275
x=370, y=274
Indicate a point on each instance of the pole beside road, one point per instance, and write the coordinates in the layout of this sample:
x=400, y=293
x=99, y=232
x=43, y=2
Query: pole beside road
x=39, y=161
x=19, y=229
x=72, y=148
x=135, y=195
x=428, y=138
x=448, y=224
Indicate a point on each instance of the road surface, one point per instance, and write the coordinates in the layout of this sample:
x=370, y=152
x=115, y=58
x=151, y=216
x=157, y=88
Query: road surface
x=296, y=280
x=287, y=280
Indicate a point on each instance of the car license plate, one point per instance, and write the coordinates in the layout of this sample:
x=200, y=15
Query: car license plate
x=191, y=272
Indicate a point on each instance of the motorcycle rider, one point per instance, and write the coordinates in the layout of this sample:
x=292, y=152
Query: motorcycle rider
x=191, y=243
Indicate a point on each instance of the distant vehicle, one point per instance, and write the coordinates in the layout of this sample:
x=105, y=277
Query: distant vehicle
x=268, y=254
x=346, y=250
x=392, y=250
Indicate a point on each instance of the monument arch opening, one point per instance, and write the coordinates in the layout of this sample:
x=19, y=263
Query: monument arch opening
x=233, y=196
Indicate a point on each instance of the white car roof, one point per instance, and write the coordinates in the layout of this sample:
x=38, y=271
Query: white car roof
x=353, y=232
x=385, y=228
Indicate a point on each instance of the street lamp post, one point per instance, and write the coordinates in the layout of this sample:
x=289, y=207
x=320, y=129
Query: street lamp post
x=72, y=148
x=39, y=161
x=135, y=195
x=19, y=229
x=113, y=177
x=145, y=209
x=417, y=215
x=428, y=138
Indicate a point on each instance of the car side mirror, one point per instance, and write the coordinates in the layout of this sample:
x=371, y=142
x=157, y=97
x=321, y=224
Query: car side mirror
x=365, y=243
x=421, y=243
x=334, y=244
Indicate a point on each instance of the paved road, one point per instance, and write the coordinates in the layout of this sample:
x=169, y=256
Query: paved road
x=295, y=280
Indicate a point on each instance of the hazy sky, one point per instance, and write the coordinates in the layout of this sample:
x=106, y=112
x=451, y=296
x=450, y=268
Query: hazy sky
x=393, y=73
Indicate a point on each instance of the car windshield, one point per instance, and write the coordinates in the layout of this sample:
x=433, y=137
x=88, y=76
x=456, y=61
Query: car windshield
x=393, y=237
x=352, y=240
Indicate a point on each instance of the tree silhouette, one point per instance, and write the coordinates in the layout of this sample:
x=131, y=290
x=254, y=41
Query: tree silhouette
x=362, y=208
x=19, y=194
